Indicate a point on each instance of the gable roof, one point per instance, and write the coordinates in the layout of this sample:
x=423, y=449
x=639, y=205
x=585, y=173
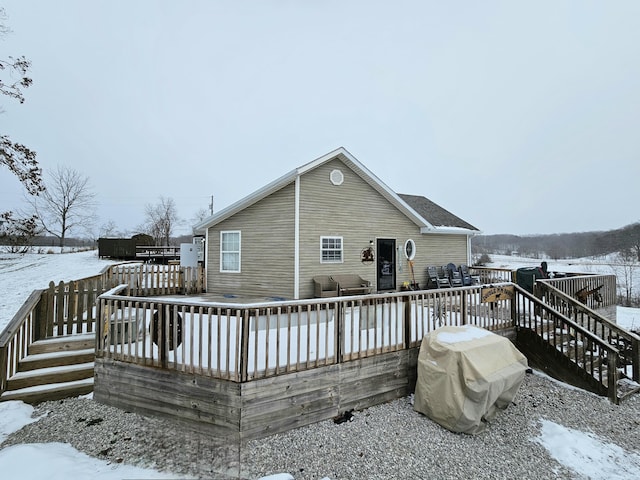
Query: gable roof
x=418, y=212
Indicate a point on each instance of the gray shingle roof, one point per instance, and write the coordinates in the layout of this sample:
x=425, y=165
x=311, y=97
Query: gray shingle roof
x=434, y=213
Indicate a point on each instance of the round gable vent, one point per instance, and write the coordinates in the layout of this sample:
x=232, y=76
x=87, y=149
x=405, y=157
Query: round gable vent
x=336, y=177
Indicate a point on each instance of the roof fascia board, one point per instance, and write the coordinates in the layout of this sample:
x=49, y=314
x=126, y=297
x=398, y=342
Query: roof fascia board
x=449, y=231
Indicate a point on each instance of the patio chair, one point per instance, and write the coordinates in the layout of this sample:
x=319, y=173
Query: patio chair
x=436, y=278
x=466, y=276
x=325, y=286
x=454, y=275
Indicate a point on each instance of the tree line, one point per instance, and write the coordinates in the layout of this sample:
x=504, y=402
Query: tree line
x=563, y=245
x=621, y=245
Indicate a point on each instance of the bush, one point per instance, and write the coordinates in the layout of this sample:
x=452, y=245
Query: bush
x=483, y=260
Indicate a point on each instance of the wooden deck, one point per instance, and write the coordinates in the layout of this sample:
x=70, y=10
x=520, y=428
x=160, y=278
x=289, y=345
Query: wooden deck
x=253, y=369
x=246, y=370
x=250, y=367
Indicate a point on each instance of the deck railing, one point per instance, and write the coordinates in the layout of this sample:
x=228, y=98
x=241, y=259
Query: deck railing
x=489, y=275
x=604, y=288
x=157, y=252
x=241, y=342
x=68, y=308
x=583, y=349
x=559, y=294
x=148, y=279
x=16, y=338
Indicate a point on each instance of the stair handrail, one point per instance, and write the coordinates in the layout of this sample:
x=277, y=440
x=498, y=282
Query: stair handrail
x=520, y=321
x=604, y=285
x=17, y=336
x=618, y=336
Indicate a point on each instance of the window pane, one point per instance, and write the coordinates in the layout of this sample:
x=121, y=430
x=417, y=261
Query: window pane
x=231, y=242
x=230, y=261
x=331, y=249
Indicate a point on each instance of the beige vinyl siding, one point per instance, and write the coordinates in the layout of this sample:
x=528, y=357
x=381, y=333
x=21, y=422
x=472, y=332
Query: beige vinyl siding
x=267, y=249
x=354, y=211
x=438, y=250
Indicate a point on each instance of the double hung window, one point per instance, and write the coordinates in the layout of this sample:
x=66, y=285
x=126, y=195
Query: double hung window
x=330, y=249
x=230, y=251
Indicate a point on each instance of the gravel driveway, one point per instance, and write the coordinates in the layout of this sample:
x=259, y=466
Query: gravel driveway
x=389, y=441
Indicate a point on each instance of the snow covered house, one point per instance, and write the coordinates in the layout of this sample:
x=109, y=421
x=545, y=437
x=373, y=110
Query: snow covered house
x=329, y=217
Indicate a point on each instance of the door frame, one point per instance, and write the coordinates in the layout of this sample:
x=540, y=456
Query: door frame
x=386, y=251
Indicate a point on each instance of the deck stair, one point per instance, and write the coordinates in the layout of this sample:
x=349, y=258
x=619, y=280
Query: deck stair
x=54, y=368
x=574, y=348
x=589, y=359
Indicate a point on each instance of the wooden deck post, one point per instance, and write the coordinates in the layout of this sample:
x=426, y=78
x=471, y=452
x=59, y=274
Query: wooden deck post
x=463, y=307
x=612, y=377
x=4, y=356
x=407, y=322
x=40, y=318
x=635, y=351
x=244, y=348
x=339, y=327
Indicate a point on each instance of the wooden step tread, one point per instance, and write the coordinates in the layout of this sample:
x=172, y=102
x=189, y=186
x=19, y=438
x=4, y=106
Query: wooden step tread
x=66, y=338
x=63, y=343
x=43, y=376
x=66, y=353
x=52, y=370
x=51, y=391
x=55, y=359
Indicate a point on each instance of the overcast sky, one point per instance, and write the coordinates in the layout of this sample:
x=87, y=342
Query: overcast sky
x=518, y=116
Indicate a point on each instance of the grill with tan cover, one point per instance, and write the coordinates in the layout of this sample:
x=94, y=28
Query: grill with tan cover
x=465, y=376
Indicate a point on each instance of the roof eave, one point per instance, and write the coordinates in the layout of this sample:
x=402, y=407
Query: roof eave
x=449, y=231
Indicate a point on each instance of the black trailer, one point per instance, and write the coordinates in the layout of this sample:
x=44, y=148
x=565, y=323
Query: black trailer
x=122, y=248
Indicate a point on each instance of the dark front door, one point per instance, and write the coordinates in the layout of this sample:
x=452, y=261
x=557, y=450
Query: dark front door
x=386, y=261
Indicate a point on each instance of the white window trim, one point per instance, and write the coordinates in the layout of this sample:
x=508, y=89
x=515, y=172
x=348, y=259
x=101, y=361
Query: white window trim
x=413, y=249
x=239, y=252
x=341, y=248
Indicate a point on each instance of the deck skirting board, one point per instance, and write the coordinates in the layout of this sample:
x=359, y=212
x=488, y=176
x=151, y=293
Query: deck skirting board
x=258, y=408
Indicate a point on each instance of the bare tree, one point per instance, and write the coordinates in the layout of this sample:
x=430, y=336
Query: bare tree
x=109, y=229
x=66, y=205
x=624, y=265
x=200, y=215
x=161, y=219
x=20, y=160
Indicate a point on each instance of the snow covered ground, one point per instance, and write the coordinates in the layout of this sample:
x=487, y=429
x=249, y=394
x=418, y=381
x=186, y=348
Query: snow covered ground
x=583, y=452
x=22, y=274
